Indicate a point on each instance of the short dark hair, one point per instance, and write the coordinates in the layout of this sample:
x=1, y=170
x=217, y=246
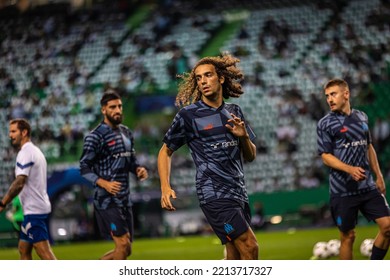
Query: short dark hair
x=23, y=124
x=336, y=82
x=108, y=96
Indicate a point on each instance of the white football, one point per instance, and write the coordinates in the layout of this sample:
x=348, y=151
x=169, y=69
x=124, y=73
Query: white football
x=333, y=247
x=366, y=247
x=320, y=250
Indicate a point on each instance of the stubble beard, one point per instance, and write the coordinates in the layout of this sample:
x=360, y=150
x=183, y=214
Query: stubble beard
x=15, y=145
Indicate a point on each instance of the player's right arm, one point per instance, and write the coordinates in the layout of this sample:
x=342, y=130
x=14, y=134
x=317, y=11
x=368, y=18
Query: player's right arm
x=374, y=164
x=87, y=161
x=357, y=173
x=15, y=188
x=164, y=171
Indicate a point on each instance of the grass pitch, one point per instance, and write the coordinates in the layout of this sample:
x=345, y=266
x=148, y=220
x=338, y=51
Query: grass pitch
x=291, y=244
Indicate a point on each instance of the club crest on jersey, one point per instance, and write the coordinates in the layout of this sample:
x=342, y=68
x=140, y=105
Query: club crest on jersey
x=339, y=221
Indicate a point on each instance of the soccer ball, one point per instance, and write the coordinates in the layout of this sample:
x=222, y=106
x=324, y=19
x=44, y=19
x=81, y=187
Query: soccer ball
x=333, y=247
x=320, y=250
x=366, y=247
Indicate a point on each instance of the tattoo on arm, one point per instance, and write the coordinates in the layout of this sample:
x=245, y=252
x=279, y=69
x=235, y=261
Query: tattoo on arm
x=16, y=187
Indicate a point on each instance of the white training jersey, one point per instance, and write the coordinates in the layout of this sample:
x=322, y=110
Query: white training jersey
x=31, y=162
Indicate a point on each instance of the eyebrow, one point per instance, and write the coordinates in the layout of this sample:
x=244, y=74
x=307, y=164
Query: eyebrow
x=330, y=93
x=205, y=73
x=115, y=105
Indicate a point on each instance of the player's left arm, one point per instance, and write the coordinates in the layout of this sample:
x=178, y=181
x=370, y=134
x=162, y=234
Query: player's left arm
x=237, y=127
x=15, y=188
x=374, y=165
x=248, y=148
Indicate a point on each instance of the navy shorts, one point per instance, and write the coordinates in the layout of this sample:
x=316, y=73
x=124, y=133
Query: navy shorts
x=372, y=205
x=115, y=221
x=35, y=228
x=228, y=218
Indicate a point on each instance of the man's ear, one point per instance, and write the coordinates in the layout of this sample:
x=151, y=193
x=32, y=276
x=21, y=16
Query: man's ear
x=222, y=79
x=347, y=94
x=24, y=132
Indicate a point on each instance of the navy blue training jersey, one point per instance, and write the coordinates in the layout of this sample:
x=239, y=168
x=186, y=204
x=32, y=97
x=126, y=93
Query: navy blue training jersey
x=347, y=138
x=109, y=154
x=216, y=152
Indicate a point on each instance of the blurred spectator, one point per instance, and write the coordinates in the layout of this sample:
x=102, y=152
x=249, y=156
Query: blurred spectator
x=381, y=134
x=258, y=219
x=287, y=135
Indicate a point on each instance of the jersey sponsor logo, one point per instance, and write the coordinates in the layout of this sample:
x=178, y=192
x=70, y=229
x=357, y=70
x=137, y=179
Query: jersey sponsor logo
x=224, y=144
x=125, y=154
x=355, y=143
x=346, y=145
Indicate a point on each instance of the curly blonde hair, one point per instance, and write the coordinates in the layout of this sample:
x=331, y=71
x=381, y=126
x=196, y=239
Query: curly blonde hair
x=225, y=65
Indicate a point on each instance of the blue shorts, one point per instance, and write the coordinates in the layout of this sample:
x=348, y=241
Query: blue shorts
x=372, y=205
x=228, y=218
x=115, y=221
x=35, y=228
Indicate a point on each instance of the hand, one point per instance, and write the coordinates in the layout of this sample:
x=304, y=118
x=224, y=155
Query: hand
x=358, y=173
x=380, y=185
x=236, y=126
x=112, y=187
x=166, y=199
x=142, y=173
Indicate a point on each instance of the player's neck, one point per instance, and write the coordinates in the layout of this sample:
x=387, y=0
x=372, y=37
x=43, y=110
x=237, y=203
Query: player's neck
x=346, y=110
x=110, y=124
x=214, y=102
x=23, y=141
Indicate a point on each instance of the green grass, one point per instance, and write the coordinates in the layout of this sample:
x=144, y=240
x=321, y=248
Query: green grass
x=277, y=245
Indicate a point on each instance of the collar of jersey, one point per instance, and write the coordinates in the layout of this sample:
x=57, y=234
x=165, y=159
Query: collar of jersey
x=343, y=115
x=212, y=108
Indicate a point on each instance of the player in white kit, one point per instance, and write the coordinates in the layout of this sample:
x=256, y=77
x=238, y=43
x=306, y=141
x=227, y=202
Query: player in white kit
x=31, y=185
